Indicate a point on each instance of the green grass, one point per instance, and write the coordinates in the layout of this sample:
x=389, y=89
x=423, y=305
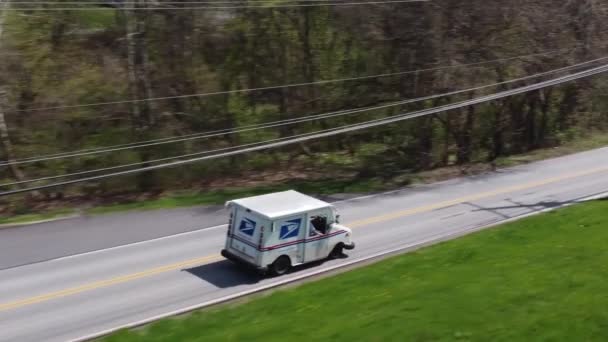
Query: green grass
x=100, y=19
x=580, y=144
x=216, y=197
x=35, y=217
x=539, y=279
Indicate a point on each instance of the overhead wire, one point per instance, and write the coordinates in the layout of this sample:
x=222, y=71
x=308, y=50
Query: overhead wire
x=109, y=3
x=253, y=127
x=280, y=139
x=123, y=166
x=332, y=131
x=269, y=6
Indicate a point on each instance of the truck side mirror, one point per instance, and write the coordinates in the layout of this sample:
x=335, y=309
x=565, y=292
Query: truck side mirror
x=337, y=218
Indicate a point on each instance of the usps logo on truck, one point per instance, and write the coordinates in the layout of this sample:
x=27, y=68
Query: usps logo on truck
x=290, y=229
x=247, y=226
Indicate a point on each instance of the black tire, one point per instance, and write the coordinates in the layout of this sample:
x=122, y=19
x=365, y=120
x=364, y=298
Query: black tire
x=337, y=252
x=280, y=266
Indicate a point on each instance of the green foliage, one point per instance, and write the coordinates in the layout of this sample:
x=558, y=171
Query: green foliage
x=94, y=20
x=219, y=197
x=77, y=57
x=336, y=161
x=261, y=162
x=372, y=160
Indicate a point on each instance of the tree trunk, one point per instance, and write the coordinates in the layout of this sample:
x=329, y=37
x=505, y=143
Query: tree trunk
x=150, y=106
x=5, y=139
x=530, y=125
x=425, y=143
x=445, y=155
x=544, y=109
x=498, y=143
x=567, y=107
x=465, y=146
x=517, y=121
x=464, y=136
x=7, y=145
x=309, y=69
x=140, y=86
x=283, y=71
x=131, y=29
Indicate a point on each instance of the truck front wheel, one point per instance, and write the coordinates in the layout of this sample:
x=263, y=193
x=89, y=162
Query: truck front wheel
x=337, y=252
x=280, y=266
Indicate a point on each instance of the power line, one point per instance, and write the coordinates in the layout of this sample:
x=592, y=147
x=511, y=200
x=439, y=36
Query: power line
x=156, y=142
x=246, y=145
x=302, y=84
x=159, y=3
x=213, y=7
x=333, y=131
x=117, y=167
x=339, y=130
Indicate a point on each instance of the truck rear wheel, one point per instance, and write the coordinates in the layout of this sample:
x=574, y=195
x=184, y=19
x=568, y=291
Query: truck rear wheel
x=280, y=266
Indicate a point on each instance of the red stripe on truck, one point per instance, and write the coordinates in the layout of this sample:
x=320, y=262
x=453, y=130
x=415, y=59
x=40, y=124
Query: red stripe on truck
x=287, y=244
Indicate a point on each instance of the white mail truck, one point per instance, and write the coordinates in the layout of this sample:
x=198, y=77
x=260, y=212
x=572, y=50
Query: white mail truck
x=277, y=231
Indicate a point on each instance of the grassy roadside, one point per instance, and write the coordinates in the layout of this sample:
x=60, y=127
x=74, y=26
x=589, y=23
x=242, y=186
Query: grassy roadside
x=320, y=187
x=585, y=143
x=218, y=197
x=541, y=278
x=29, y=218
x=214, y=197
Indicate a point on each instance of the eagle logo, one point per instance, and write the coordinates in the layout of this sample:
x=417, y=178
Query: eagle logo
x=290, y=229
x=247, y=226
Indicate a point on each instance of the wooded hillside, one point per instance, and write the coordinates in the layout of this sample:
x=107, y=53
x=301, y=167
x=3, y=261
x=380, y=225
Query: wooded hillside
x=69, y=58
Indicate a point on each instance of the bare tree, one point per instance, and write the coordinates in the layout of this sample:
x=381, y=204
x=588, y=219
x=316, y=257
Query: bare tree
x=140, y=85
x=4, y=133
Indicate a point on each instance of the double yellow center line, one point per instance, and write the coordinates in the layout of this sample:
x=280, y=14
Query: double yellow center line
x=474, y=197
x=360, y=223
x=108, y=282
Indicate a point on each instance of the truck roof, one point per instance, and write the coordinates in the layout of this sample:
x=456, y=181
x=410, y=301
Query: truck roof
x=280, y=204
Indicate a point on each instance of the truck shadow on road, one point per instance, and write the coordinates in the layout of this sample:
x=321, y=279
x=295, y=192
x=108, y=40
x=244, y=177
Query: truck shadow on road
x=533, y=207
x=226, y=274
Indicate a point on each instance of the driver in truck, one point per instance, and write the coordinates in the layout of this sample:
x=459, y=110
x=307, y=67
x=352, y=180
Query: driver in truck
x=318, y=225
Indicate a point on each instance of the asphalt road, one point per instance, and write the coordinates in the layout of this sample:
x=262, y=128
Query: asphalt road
x=49, y=293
